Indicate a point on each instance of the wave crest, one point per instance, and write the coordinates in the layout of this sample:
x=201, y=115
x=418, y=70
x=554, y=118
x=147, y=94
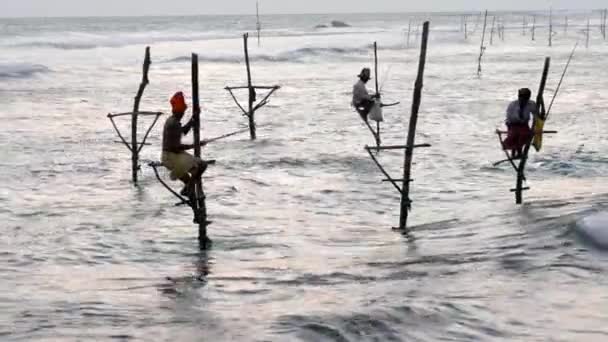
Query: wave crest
x=297, y=55
x=21, y=70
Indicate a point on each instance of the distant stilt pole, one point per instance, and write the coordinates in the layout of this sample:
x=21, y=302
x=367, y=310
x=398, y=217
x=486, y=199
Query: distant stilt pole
x=409, y=30
x=411, y=136
x=551, y=27
x=466, y=32
x=588, y=32
x=524, y=25
x=482, y=47
x=492, y=30
x=258, y=24
x=533, y=27
x=252, y=94
x=604, y=23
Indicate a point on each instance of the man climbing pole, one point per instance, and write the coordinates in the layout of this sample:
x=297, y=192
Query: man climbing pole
x=362, y=100
x=183, y=165
x=517, y=121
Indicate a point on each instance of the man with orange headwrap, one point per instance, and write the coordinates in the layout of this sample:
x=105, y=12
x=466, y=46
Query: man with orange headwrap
x=183, y=165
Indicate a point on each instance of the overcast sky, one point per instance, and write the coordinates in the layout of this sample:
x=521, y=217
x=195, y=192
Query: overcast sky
x=43, y=8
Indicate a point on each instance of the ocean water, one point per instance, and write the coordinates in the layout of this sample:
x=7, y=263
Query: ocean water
x=303, y=247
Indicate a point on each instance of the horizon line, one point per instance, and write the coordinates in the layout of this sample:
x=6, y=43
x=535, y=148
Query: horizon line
x=462, y=12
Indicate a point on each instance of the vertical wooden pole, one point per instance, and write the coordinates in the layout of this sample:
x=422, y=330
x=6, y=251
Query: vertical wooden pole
x=604, y=23
x=251, y=89
x=551, y=27
x=134, y=116
x=533, y=27
x=524, y=26
x=588, y=32
x=258, y=24
x=466, y=33
x=198, y=204
x=377, y=91
x=482, y=48
x=411, y=135
x=524, y=158
x=409, y=30
x=492, y=30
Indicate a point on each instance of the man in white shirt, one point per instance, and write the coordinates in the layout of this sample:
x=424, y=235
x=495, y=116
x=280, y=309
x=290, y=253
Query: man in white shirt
x=362, y=100
x=519, y=113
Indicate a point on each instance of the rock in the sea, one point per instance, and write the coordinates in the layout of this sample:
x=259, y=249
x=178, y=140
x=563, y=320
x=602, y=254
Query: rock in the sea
x=337, y=23
x=595, y=229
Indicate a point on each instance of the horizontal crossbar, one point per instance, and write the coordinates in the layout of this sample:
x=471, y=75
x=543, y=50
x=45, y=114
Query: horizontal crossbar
x=522, y=189
x=255, y=87
x=395, y=180
x=544, y=132
x=139, y=144
x=394, y=147
x=110, y=115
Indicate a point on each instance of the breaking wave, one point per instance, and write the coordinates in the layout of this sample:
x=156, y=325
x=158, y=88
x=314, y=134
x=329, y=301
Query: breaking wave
x=297, y=55
x=86, y=41
x=21, y=70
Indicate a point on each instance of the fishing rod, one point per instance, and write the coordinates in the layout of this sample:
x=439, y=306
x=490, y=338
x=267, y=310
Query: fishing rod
x=207, y=141
x=561, y=80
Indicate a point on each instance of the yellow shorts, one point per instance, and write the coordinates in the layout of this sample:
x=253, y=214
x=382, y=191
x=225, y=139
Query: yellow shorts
x=179, y=163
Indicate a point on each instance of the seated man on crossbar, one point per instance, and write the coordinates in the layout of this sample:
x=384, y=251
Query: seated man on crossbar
x=519, y=114
x=362, y=100
x=183, y=165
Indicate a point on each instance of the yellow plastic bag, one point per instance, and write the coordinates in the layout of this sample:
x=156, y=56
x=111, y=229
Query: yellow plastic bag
x=537, y=141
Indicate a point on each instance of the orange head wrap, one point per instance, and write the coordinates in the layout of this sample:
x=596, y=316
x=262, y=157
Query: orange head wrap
x=178, y=103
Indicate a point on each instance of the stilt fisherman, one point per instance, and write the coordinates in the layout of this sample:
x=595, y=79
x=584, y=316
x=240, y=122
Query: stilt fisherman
x=183, y=165
x=362, y=100
x=519, y=113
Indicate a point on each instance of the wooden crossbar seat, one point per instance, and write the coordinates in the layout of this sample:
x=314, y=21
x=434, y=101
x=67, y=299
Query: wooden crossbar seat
x=182, y=200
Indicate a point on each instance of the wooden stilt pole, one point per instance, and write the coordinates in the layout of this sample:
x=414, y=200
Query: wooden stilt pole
x=551, y=27
x=377, y=135
x=588, y=32
x=482, y=47
x=140, y=92
x=199, y=206
x=411, y=135
x=409, y=30
x=258, y=24
x=466, y=33
x=524, y=26
x=492, y=30
x=252, y=94
x=533, y=27
x=604, y=23
x=524, y=158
